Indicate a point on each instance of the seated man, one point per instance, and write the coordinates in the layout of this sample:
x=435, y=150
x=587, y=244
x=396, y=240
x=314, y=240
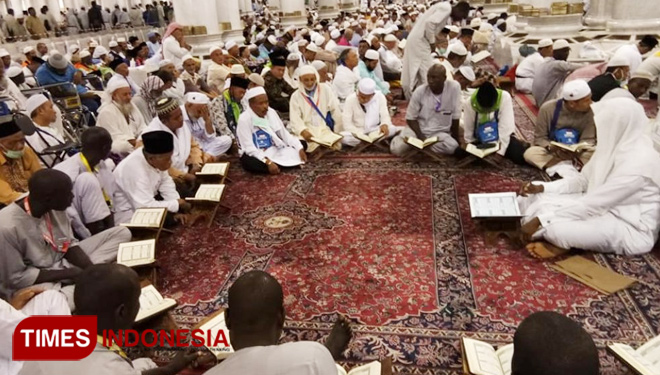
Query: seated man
x=255, y=319
x=120, y=68
x=639, y=84
x=15, y=73
x=366, y=67
x=615, y=76
x=38, y=245
x=613, y=205
x=187, y=158
x=111, y=292
x=488, y=118
x=434, y=111
x=455, y=59
x=17, y=161
x=217, y=71
x=121, y=118
x=193, y=81
x=150, y=91
x=227, y=108
x=314, y=108
x=197, y=118
x=86, y=65
x=279, y=92
x=261, y=135
x=527, y=68
x=142, y=178
x=365, y=112
x=552, y=73
x=548, y=343
x=392, y=64
x=41, y=110
x=178, y=89
x=346, y=79
x=569, y=120
x=90, y=171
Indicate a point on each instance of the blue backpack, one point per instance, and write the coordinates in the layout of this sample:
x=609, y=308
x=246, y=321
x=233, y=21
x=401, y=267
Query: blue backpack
x=567, y=136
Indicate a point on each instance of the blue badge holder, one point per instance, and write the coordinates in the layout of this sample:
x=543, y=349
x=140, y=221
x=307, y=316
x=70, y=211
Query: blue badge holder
x=488, y=132
x=567, y=136
x=262, y=139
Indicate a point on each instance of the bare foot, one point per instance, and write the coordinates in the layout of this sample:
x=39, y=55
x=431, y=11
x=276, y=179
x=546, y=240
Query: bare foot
x=544, y=250
x=339, y=337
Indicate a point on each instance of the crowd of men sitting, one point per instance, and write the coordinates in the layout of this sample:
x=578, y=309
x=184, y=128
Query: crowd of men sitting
x=270, y=101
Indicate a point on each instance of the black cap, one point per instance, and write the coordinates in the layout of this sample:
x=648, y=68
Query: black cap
x=444, y=30
x=8, y=126
x=115, y=63
x=239, y=82
x=278, y=61
x=467, y=31
x=158, y=142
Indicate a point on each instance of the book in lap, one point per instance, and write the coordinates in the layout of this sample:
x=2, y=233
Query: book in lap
x=152, y=303
x=579, y=147
x=482, y=152
x=214, y=325
x=480, y=358
x=208, y=193
x=147, y=218
x=418, y=143
x=327, y=139
x=137, y=253
x=494, y=206
x=643, y=361
x=372, y=368
x=371, y=137
x=214, y=169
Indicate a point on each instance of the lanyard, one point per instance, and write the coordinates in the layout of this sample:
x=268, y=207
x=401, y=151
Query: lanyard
x=108, y=201
x=48, y=237
x=113, y=348
x=309, y=98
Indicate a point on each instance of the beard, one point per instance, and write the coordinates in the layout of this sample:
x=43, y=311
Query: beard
x=125, y=109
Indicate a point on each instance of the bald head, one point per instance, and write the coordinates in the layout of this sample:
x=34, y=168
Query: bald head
x=256, y=305
x=548, y=343
x=111, y=292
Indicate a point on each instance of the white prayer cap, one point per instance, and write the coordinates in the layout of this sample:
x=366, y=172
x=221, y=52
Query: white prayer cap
x=486, y=27
x=302, y=43
x=459, y=49
x=237, y=69
x=560, y=44
x=230, y=44
x=380, y=23
x=34, y=102
x=304, y=31
x=254, y=92
x=113, y=44
x=468, y=73
x=545, y=43
x=116, y=84
x=643, y=74
x=367, y=86
x=319, y=27
x=271, y=39
x=4, y=52
x=335, y=34
x=402, y=44
x=319, y=40
x=454, y=29
x=575, y=90
x=93, y=44
x=293, y=56
x=313, y=47
x=491, y=16
x=371, y=55
x=197, y=98
x=346, y=24
x=186, y=58
x=14, y=71
x=100, y=51
x=332, y=28
x=213, y=49
x=257, y=79
x=390, y=38
x=306, y=69
x=74, y=47
x=27, y=50
x=476, y=22
x=617, y=61
x=121, y=40
x=163, y=62
x=318, y=65
x=85, y=53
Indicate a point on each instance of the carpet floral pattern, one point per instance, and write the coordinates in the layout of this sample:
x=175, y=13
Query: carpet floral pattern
x=390, y=244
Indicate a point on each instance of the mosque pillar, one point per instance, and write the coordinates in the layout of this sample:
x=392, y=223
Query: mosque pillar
x=634, y=15
x=275, y=6
x=17, y=6
x=54, y=9
x=599, y=12
x=328, y=9
x=293, y=12
x=245, y=6
x=230, y=23
x=349, y=6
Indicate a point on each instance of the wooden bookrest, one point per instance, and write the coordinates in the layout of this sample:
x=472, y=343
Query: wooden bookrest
x=493, y=228
x=382, y=144
x=412, y=153
x=472, y=159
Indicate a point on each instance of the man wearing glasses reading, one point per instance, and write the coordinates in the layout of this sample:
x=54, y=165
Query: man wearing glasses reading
x=434, y=111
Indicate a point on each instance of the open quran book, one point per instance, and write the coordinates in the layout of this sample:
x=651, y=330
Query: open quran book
x=372, y=368
x=643, y=361
x=418, y=143
x=371, y=137
x=147, y=218
x=494, y=206
x=214, y=169
x=137, y=253
x=482, y=152
x=152, y=303
x=327, y=139
x=579, y=147
x=215, y=323
x=208, y=193
x=480, y=358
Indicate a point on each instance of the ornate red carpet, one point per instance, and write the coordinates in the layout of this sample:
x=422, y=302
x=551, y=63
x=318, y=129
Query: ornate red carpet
x=390, y=244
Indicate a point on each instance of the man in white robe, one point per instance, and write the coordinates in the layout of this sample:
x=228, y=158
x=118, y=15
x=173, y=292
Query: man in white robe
x=307, y=106
x=217, y=72
x=365, y=112
x=346, y=79
x=421, y=42
x=633, y=53
x=121, y=118
x=265, y=145
x=178, y=89
x=197, y=117
x=42, y=112
x=527, y=68
x=613, y=205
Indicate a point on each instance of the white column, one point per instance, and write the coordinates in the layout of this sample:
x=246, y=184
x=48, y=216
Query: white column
x=203, y=13
x=229, y=17
x=634, y=15
x=349, y=5
x=328, y=9
x=245, y=6
x=17, y=6
x=275, y=5
x=293, y=12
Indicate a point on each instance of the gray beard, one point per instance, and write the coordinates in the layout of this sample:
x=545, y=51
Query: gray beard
x=125, y=109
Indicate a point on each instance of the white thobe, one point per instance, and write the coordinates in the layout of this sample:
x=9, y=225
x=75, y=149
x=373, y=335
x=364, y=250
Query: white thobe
x=331, y=45
x=292, y=358
x=182, y=143
x=631, y=53
x=449, y=69
x=121, y=131
x=216, y=76
x=344, y=82
x=391, y=63
x=303, y=116
x=417, y=59
x=353, y=119
x=209, y=142
x=42, y=138
x=526, y=71
x=89, y=204
x=138, y=183
x=48, y=302
x=177, y=91
x=505, y=127
x=245, y=129
x=173, y=51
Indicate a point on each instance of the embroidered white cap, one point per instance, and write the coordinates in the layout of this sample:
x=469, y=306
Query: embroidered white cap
x=390, y=38
x=371, y=55
x=237, y=69
x=197, y=98
x=560, y=44
x=254, y=92
x=459, y=49
x=231, y=44
x=545, y=43
x=468, y=73
x=113, y=43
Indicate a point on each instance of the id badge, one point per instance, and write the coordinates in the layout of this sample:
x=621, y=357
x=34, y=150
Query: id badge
x=262, y=139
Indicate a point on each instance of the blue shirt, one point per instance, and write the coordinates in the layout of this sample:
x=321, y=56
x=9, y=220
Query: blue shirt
x=381, y=85
x=46, y=76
